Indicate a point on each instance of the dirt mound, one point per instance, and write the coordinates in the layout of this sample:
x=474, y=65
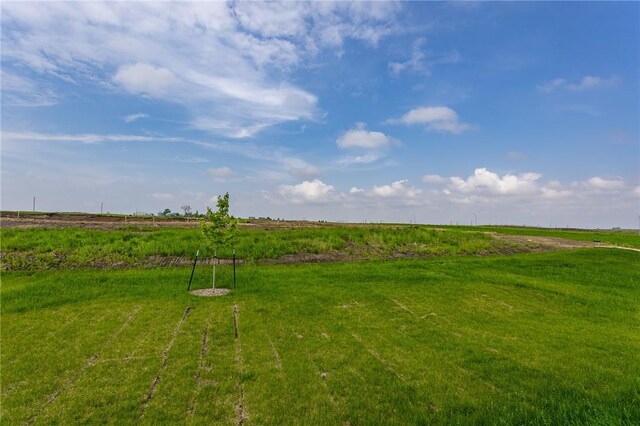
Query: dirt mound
x=544, y=243
x=209, y=292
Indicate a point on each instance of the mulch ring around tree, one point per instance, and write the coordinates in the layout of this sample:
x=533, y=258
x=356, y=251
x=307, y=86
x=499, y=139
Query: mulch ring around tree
x=209, y=292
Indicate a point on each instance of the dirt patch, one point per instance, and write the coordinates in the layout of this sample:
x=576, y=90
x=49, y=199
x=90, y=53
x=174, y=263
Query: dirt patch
x=10, y=219
x=209, y=292
x=544, y=243
x=91, y=221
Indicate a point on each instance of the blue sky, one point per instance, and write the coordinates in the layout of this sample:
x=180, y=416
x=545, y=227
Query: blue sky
x=517, y=113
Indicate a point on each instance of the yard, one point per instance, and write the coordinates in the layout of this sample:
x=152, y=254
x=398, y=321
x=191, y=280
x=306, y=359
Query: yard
x=541, y=338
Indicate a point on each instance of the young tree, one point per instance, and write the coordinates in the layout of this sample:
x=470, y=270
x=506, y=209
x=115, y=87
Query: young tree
x=219, y=229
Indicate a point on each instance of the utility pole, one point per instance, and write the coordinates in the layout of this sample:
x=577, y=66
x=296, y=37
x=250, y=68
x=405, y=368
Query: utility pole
x=476, y=216
x=101, y=203
x=34, y=204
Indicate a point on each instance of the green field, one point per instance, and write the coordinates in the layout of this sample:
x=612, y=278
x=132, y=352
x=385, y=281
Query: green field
x=539, y=338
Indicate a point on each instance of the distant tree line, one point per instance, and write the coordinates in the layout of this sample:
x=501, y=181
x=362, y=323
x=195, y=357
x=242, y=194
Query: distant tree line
x=186, y=209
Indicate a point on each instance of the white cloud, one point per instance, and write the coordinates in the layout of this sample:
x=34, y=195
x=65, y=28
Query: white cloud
x=360, y=137
x=274, y=19
x=226, y=63
x=433, y=179
x=161, y=196
x=400, y=188
x=548, y=192
x=356, y=190
x=606, y=184
x=484, y=181
x=223, y=174
x=485, y=187
x=319, y=24
x=314, y=191
x=145, y=79
x=428, y=115
x=586, y=83
x=134, y=117
x=438, y=118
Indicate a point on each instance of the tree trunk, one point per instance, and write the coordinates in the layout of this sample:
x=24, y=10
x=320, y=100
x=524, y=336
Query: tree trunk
x=215, y=261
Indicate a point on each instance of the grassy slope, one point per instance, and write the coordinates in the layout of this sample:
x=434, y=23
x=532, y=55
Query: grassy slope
x=540, y=338
x=69, y=247
x=80, y=248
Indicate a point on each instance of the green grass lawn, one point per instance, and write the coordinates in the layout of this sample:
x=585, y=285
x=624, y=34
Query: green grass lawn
x=550, y=338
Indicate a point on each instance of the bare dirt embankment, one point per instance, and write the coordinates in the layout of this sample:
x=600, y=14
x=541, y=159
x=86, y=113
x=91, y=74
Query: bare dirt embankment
x=537, y=243
x=89, y=221
x=95, y=221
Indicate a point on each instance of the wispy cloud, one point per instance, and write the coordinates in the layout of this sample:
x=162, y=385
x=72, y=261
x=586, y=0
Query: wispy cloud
x=224, y=62
x=224, y=174
x=88, y=138
x=421, y=62
x=22, y=91
x=368, y=158
x=586, y=83
x=161, y=196
x=581, y=109
x=286, y=165
x=134, y=117
x=192, y=160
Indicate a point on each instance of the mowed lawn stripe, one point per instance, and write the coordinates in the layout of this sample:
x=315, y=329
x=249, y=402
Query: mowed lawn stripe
x=281, y=381
x=387, y=338
x=213, y=398
x=165, y=360
x=115, y=379
x=53, y=352
x=69, y=384
x=184, y=372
